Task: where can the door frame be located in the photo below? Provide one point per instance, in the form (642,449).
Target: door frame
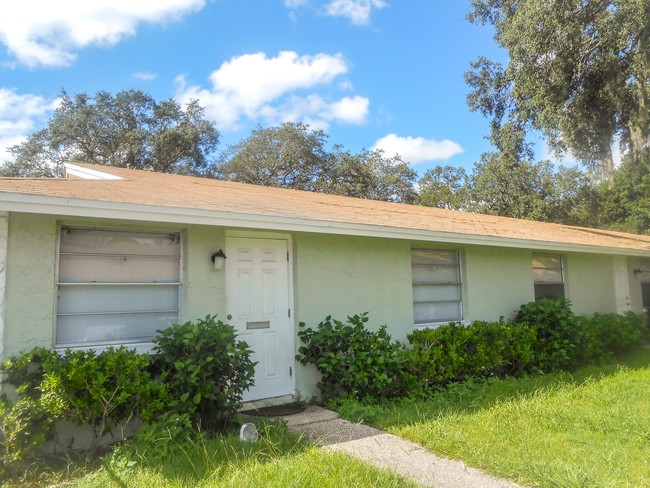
(262,235)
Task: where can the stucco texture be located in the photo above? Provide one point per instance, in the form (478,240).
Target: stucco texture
(497,281)
(341,276)
(590,283)
(204,290)
(31,289)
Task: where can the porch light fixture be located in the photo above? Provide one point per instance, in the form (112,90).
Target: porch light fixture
(219,259)
(637,272)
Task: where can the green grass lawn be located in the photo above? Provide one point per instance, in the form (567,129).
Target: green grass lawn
(587,429)
(278,459)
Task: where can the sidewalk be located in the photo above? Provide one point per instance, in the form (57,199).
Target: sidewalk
(383,450)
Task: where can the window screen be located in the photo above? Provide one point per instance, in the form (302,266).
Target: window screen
(548,276)
(116,287)
(436,286)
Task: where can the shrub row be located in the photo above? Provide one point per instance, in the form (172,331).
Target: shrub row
(456,352)
(196,377)
(544,336)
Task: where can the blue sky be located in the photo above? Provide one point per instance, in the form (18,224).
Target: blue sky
(370,73)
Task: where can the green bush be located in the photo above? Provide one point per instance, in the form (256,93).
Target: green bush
(99,390)
(606,334)
(24,426)
(620,332)
(557,330)
(206,370)
(353,360)
(456,352)
(28,422)
(102,390)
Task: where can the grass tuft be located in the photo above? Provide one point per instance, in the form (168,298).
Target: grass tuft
(279,459)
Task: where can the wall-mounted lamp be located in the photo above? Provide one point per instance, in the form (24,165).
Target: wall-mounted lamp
(219,259)
(637,272)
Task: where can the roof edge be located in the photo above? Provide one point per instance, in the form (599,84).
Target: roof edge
(181,215)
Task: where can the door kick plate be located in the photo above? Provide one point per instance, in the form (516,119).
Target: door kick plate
(258,325)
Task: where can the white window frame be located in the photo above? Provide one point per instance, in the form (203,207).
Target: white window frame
(141,344)
(562,268)
(458,267)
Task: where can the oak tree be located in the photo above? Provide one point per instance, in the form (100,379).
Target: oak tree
(578,71)
(128,130)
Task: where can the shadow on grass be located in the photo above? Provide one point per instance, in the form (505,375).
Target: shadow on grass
(474,395)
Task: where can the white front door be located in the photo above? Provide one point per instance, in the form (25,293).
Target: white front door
(257,300)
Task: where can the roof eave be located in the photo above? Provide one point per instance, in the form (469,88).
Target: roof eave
(73,207)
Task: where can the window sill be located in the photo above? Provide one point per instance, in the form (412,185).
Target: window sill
(435,325)
(140,347)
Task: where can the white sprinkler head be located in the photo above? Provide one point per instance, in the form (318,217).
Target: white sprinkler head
(248,433)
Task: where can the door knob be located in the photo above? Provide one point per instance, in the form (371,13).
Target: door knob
(229,317)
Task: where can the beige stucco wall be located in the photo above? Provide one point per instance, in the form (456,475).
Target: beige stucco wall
(4,233)
(338,275)
(204,287)
(30,295)
(343,275)
(497,281)
(590,283)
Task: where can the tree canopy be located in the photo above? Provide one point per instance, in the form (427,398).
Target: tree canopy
(507,182)
(578,71)
(294,156)
(289,156)
(129,130)
(444,187)
(624,204)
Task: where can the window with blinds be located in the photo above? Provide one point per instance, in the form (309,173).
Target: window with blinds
(548,276)
(437,286)
(116,287)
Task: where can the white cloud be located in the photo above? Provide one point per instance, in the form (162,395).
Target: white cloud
(351,110)
(145,75)
(357,11)
(317,112)
(254,85)
(417,149)
(295,3)
(47,33)
(19,116)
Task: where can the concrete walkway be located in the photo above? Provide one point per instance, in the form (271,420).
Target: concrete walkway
(383,450)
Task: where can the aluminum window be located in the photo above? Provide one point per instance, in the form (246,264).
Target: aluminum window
(116,287)
(437,286)
(548,276)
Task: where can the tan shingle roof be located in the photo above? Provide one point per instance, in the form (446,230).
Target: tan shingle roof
(165,191)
